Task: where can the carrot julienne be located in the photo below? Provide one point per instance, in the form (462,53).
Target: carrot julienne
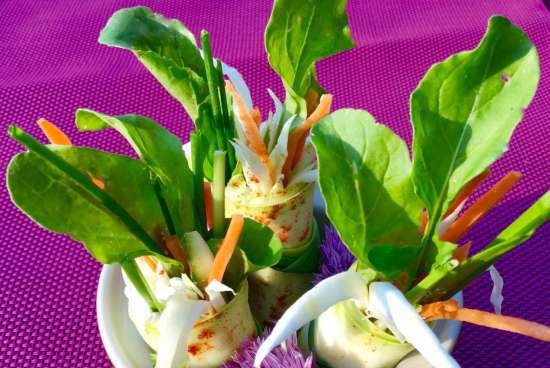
(481,207)
(461,253)
(250,127)
(53,133)
(449,310)
(256,115)
(297,137)
(172,243)
(98,182)
(467,191)
(227,247)
(150,262)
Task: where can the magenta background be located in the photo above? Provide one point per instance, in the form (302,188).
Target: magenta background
(50,64)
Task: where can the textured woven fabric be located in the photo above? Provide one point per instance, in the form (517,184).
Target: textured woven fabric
(50,64)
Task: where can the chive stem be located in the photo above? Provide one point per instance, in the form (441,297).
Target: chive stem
(157,186)
(227,126)
(197,158)
(135,275)
(218,194)
(213,86)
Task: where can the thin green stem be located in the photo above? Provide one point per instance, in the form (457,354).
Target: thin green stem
(157,186)
(227,122)
(218,194)
(133,272)
(85,183)
(198,151)
(213,86)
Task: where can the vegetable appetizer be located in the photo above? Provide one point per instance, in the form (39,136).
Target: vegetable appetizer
(217,239)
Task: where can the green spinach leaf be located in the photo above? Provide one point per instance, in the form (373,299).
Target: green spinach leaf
(166,48)
(298,34)
(116,224)
(464,112)
(365,179)
(162,153)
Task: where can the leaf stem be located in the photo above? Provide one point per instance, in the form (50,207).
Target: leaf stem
(218,194)
(227,126)
(213,85)
(197,157)
(163,206)
(84,181)
(133,272)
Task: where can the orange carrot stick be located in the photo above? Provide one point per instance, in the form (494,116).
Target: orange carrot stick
(312,96)
(467,191)
(297,137)
(256,115)
(226,248)
(98,183)
(461,253)
(449,310)
(53,133)
(253,137)
(150,262)
(208,205)
(481,207)
(172,243)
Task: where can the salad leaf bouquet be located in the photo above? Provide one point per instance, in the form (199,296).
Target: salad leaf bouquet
(403,220)
(217,238)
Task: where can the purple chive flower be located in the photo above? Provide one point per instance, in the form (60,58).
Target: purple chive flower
(287,355)
(335,257)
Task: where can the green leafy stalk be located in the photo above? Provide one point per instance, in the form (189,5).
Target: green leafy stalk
(198,153)
(133,272)
(448,279)
(213,86)
(218,195)
(464,112)
(163,206)
(227,119)
(86,185)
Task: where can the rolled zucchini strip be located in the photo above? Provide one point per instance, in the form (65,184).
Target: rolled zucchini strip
(212,339)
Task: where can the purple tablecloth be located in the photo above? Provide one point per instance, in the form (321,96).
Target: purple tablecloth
(50,64)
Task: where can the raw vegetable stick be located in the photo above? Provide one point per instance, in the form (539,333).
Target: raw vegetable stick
(481,207)
(226,248)
(449,310)
(254,139)
(54,134)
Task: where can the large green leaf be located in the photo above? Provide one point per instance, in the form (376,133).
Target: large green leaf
(299,33)
(59,203)
(465,110)
(365,179)
(446,280)
(163,154)
(166,48)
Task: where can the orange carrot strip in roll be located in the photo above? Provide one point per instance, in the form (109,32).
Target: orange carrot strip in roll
(467,191)
(53,133)
(253,137)
(449,310)
(297,137)
(481,207)
(227,247)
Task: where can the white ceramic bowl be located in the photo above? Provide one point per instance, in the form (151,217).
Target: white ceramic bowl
(126,349)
